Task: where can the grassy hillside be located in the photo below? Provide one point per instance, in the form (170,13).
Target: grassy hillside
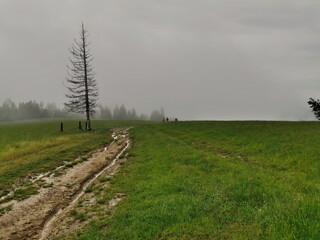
(218,180)
(188,180)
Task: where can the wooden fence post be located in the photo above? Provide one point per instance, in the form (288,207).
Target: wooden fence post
(80,126)
(61,127)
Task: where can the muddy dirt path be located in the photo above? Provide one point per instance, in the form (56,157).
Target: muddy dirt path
(38,216)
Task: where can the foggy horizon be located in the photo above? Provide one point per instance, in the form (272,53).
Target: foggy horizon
(199,60)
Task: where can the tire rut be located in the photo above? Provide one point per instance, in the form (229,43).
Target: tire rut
(36,217)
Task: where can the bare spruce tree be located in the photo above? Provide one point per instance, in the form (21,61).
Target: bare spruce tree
(82,86)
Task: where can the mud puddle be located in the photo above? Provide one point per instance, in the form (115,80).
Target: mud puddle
(41,216)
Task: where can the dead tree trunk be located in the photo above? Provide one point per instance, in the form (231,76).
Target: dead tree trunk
(83,91)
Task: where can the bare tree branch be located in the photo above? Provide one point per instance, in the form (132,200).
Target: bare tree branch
(82,87)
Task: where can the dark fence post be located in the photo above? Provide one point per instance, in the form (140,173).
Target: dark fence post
(61,127)
(80,126)
(86,125)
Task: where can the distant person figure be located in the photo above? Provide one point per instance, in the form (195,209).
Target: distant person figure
(163,119)
(167,119)
(176,119)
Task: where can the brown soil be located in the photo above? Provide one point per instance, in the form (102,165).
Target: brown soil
(42,215)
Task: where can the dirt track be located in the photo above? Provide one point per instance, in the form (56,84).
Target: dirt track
(40,215)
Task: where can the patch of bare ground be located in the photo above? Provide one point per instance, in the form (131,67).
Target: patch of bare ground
(53,211)
(220,152)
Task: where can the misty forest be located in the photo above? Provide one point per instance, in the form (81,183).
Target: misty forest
(90,142)
(9,111)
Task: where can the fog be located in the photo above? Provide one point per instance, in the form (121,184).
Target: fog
(205,59)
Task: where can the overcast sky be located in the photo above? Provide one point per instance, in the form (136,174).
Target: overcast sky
(204,59)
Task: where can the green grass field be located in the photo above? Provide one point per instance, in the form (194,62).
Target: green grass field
(218,180)
(193,180)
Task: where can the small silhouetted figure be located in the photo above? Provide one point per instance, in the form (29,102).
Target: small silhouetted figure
(61,127)
(163,119)
(176,119)
(167,119)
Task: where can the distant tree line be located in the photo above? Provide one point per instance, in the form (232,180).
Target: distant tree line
(122,113)
(9,111)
